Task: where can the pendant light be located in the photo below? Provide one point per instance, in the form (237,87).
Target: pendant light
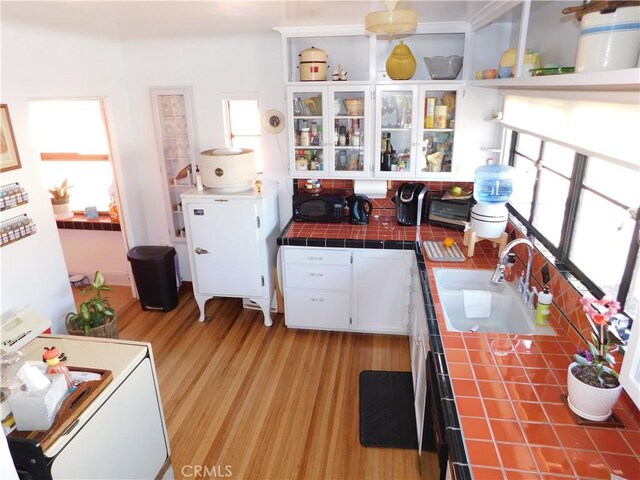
(391,21)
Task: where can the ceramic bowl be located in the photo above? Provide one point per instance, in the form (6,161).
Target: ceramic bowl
(505,72)
(354,106)
(490,73)
(444,68)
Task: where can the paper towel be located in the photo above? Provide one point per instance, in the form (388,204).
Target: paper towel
(370,188)
(477,303)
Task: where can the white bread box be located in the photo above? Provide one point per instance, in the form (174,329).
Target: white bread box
(228,169)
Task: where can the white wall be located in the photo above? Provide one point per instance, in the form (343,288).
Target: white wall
(40,63)
(107,252)
(36,64)
(212,67)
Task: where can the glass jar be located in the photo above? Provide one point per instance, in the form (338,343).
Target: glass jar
(305,139)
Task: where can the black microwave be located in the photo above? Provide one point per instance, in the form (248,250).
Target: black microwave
(322,207)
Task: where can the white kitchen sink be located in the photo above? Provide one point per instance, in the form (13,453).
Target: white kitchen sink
(508,313)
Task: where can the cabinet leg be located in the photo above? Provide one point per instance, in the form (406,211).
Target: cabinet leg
(265,306)
(201,300)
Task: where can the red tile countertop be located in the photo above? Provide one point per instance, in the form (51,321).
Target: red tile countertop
(508,388)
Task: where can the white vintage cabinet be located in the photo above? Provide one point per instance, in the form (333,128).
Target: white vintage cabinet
(231,239)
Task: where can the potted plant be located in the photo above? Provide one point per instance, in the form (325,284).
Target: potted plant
(591,381)
(60,200)
(96,318)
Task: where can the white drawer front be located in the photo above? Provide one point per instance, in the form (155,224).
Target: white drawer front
(317,256)
(313,309)
(321,277)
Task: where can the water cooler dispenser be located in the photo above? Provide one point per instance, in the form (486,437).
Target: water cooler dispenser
(493,186)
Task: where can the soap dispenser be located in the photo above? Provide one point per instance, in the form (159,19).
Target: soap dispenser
(545,297)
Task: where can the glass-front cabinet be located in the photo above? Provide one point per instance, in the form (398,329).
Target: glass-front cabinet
(330,131)
(396,121)
(415,131)
(437,113)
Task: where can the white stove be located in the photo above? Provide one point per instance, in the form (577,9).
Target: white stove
(122,433)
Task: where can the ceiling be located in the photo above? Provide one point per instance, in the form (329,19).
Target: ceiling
(138,20)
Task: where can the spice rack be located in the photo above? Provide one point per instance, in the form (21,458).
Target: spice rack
(16,228)
(12,195)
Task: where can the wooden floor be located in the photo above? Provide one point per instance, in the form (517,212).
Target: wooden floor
(266,403)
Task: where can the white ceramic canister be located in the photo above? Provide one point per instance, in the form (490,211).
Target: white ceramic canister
(609,41)
(313,65)
(489,221)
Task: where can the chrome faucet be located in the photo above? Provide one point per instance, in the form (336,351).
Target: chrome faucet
(498,274)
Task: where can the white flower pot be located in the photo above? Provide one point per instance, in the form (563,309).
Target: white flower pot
(589,402)
(62,210)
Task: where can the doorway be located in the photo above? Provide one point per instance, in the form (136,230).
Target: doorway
(72,136)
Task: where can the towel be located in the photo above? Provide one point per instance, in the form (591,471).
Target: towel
(477,303)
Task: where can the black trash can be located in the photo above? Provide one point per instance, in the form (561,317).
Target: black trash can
(154,270)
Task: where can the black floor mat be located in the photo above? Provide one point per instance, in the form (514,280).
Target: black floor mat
(387,414)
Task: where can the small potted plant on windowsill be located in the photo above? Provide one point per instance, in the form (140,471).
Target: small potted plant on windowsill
(60,200)
(95,317)
(591,380)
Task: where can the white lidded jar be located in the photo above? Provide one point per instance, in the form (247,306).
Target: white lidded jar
(609,41)
(313,65)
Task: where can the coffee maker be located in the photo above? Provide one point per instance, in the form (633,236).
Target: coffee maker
(359,209)
(409,200)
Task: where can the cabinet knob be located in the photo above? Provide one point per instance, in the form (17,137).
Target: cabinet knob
(201,251)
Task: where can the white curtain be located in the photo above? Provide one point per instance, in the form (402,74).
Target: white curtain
(602,124)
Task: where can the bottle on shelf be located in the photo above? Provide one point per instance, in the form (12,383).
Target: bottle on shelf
(386,155)
(342,136)
(199,184)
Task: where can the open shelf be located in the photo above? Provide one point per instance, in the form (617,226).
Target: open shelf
(618,80)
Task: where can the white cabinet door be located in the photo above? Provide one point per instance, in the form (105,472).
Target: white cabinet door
(123,440)
(331,131)
(225,243)
(381,280)
(397,126)
(419,366)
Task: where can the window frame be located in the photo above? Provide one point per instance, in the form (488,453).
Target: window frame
(228,134)
(576,186)
(55,156)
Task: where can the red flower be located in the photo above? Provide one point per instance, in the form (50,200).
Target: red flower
(600,319)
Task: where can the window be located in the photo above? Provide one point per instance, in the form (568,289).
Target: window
(72,139)
(584,209)
(242,122)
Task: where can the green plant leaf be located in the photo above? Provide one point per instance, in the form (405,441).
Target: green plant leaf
(610,371)
(609,358)
(98,280)
(593,350)
(580,360)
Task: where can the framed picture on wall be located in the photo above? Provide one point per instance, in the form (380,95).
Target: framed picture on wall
(9,158)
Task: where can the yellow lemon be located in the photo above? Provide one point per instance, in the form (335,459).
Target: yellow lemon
(448,242)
